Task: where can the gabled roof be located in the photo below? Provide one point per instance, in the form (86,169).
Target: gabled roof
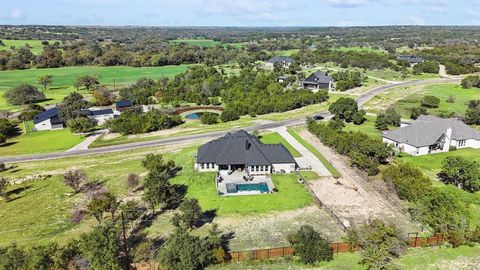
(427,129)
(280,59)
(242,148)
(123,103)
(318,77)
(48,114)
(98,112)
(410,58)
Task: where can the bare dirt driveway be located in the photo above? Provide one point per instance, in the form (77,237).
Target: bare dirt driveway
(351,197)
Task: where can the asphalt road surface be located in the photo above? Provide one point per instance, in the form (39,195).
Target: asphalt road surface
(362,99)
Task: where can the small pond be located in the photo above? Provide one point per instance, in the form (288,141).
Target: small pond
(194,116)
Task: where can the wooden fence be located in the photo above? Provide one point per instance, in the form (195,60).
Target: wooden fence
(264,254)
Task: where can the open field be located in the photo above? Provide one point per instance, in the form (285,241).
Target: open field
(360,49)
(196,42)
(325,162)
(368,127)
(274,137)
(403,102)
(39,142)
(36,45)
(40,209)
(64,78)
(432,258)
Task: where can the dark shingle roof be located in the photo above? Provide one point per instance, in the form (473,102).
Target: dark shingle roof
(123,103)
(48,114)
(280,59)
(242,148)
(318,77)
(98,112)
(426,130)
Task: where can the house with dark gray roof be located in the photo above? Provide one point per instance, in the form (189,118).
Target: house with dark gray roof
(123,105)
(431,134)
(412,59)
(241,151)
(283,61)
(48,120)
(318,80)
(100,116)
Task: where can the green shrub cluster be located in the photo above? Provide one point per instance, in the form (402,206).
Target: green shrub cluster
(366,153)
(136,122)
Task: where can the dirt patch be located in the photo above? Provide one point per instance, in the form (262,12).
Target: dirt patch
(271,230)
(351,198)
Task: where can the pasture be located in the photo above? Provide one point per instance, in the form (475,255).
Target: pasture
(39,210)
(196,42)
(65,77)
(35,45)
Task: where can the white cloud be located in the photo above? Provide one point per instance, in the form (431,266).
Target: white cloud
(348,3)
(13,14)
(248,9)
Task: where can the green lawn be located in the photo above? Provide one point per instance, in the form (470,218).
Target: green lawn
(40,142)
(433,163)
(40,210)
(368,127)
(196,42)
(432,258)
(314,150)
(360,49)
(274,137)
(442,91)
(403,99)
(64,78)
(36,45)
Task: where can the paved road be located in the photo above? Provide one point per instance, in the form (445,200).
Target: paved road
(362,99)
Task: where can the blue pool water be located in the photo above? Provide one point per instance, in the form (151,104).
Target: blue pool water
(235,188)
(194,116)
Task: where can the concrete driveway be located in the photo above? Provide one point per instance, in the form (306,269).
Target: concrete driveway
(308,159)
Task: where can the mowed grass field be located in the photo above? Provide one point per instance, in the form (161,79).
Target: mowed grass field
(404,98)
(65,77)
(442,91)
(274,137)
(196,42)
(39,211)
(39,142)
(35,45)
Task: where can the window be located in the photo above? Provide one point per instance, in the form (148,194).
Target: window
(201,166)
(462,143)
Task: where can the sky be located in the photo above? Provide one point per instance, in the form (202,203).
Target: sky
(240,12)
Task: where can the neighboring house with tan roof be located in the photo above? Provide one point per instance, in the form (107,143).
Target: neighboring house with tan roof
(431,134)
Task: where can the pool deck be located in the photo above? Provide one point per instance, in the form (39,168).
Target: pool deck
(237,178)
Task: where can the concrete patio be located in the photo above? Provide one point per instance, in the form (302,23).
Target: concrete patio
(237,177)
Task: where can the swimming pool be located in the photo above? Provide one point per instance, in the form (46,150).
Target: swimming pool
(236,188)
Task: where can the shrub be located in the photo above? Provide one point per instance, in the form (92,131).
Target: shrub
(430,102)
(209,118)
(81,124)
(461,172)
(136,122)
(310,246)
(344,108)
(415,112)
(471,81)
(409,181)
(229,115)
(359,117)
(23,94)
